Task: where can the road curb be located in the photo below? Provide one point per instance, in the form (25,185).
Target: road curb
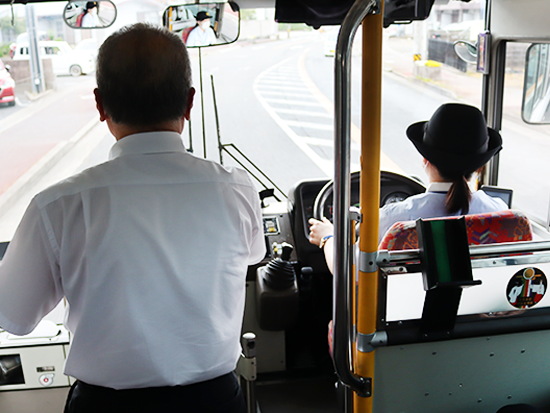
(440,89)
(35,96)
(39,169)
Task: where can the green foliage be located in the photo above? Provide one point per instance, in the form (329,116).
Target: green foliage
(4,49)
(15,30)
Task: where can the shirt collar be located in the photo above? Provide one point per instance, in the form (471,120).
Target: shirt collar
(442,187)
(149,142)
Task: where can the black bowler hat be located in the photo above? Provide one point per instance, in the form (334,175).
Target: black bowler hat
(202,15)
(456,139)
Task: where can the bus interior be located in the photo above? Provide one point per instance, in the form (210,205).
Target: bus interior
(320,126)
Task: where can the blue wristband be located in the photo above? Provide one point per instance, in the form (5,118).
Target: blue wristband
(324,241)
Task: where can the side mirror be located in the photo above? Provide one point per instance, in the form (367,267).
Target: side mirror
(7,67)
(204,24)
(466,51)
(89,14)
(535,107)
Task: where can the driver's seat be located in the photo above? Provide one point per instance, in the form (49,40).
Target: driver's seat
(487,228)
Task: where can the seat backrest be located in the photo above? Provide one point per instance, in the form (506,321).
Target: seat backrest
(487,228)
(185,33)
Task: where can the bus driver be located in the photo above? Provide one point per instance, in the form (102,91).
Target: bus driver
(202,34)
(455,143)
(150,248)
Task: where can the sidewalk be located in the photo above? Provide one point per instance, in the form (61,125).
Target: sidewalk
(465,87)
(398,58)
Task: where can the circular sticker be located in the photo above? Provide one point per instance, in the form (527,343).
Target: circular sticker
(526,288)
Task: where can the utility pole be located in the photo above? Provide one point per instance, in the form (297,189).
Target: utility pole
(37,70)
(421,39)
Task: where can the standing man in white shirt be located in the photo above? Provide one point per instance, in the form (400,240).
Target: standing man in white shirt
(150,248)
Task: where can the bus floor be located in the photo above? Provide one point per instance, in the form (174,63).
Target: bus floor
(299,395)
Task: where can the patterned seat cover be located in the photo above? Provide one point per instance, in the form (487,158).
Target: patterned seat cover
(488,228)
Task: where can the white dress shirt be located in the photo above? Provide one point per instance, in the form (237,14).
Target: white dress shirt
(199,37)
(431,204)
(151,251)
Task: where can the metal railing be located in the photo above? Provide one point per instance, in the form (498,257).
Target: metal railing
(343,282)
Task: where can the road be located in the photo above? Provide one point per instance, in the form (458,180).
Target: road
(274,103)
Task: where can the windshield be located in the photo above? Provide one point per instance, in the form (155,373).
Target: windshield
(267,97)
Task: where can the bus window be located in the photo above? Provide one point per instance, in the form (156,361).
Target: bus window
(536,85)
(522,163)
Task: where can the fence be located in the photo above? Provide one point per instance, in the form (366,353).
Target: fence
(443,51)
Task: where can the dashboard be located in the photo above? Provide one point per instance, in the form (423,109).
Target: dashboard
(393,188)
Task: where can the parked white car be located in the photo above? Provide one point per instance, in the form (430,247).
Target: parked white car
(65,60)
(88,46)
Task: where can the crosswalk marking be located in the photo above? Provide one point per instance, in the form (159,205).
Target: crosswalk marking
(310,125)
(285,83)
(278,93)
(304,113)
(293,102)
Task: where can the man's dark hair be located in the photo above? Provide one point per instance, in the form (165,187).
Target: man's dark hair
(143,75)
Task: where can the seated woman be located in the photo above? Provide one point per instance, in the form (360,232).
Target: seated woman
(455,143)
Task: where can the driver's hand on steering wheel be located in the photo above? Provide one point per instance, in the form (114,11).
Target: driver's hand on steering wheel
(319,230)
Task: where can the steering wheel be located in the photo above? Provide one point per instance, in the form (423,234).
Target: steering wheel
(325,193)
(394,188)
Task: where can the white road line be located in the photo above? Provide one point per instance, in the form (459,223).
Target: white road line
(295,88)
(276,93)
(294,102)
(324,164)
(310,125)
(325,142)
(281,82)
(304,113)
(282,78)
(317,141)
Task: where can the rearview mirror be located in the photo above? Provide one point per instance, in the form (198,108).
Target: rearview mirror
(204,24)
(466,51)
(89,14)
(536,86)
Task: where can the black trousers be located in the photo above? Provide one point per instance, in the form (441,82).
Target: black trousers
(220,395)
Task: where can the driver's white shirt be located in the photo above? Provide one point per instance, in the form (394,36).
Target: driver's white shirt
(431,204)
(198,37)
(151,251)
(90,20)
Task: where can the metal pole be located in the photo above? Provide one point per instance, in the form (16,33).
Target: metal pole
(36,68)
(247,369)
(343,282)
(371,119)
(202,105)
(220,146)
(190,138)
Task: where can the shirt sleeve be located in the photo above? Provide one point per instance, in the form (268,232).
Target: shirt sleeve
(30,282)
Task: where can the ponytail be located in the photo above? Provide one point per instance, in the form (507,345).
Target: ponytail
(459,195)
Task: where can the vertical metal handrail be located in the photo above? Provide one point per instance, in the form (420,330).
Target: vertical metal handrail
(343,282)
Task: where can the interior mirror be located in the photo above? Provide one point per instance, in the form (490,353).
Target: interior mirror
(204,24)
(536,86)
(466,51)
(89,14)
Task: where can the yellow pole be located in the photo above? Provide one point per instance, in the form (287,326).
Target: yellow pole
(370,193)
